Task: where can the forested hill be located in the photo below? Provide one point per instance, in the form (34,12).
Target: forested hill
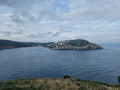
(13,43)
(6,44)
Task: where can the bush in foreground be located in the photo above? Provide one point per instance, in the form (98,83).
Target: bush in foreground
(119,79)
(67,77)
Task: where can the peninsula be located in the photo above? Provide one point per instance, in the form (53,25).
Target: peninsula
(77,44)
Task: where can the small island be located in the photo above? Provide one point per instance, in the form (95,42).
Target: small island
(77,44)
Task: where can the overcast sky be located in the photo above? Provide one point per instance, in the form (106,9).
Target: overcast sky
(54,20)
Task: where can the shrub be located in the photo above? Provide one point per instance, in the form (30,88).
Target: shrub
(119,79)
(67,77)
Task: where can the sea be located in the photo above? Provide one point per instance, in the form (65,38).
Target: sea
(41,62)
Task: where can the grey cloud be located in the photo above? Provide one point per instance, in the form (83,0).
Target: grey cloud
(14,3)
(9,33)
(56,34)
(19,31)
(38,35)
(29,10)
(93,10)
(16,18)
(36,10)
(80,18)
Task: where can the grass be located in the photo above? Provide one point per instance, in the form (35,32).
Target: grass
(56,84)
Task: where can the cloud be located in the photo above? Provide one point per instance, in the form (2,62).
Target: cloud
(36,10)
(39,35)
(27,10)
(93,10)
(9,33)
(54,20)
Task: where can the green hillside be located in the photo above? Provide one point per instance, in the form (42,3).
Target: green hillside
(7,44)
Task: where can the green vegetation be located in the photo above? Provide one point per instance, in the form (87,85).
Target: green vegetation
(55,84)
(67,77)
(6,44)
(78,42)
(119,79)
(13,43)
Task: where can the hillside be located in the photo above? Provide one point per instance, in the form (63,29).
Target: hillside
(7,44)
(55,84)
(13,43)
(77,44)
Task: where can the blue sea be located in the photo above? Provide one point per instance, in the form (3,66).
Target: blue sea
(40,62)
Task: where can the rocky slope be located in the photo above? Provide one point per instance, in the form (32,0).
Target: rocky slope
(77,44)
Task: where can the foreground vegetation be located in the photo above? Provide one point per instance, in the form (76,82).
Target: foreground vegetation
(56,84)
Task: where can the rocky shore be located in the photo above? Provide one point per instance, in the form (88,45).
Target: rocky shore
(7,47)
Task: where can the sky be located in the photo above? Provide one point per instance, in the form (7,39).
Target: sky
(55,20)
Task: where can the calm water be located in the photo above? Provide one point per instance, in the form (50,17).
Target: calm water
(38,62)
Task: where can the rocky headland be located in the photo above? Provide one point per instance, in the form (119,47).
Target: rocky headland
(77,44)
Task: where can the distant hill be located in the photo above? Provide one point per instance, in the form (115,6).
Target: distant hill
(77,44)
(13,43)
(7,44)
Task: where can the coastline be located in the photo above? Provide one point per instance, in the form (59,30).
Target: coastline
(12,47)
(56,84)
(7,47)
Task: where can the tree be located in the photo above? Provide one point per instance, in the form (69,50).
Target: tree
(119,79)
(67,77)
